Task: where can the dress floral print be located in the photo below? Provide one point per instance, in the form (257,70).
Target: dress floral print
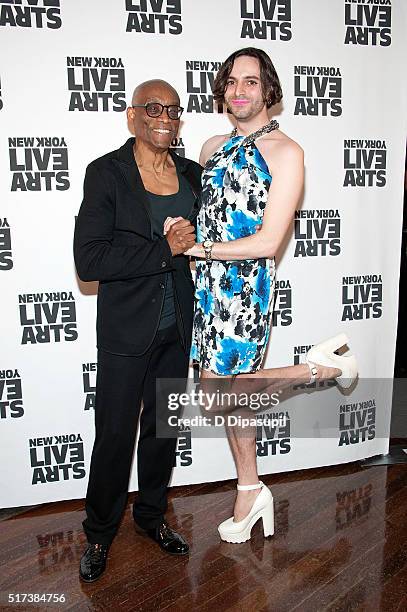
(233,299)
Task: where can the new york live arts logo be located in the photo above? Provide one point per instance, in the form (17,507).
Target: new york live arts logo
(38,163)
(200,75)
(57,457)
(266,19)
(318,91)
(31,13)
(6,261)
(368,22)
(96,84)
(154,16)
(48,317)
(11,394)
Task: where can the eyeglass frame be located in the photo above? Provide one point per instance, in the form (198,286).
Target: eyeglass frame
(166,106)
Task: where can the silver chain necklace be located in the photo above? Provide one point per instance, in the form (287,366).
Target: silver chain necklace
(269,127)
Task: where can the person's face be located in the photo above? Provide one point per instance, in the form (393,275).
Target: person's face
(243,93)
(158,132)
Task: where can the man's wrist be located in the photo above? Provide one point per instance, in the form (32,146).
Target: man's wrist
(167,251)
(196,250)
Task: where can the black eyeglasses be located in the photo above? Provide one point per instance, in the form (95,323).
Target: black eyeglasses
(155,109)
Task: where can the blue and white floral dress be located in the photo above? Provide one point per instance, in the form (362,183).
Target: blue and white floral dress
(233,299)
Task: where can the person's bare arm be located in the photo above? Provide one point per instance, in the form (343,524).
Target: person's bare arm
(287,169)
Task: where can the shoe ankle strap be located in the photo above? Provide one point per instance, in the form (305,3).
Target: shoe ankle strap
(249,487)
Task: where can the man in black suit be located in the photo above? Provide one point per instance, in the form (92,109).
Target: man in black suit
(144,314)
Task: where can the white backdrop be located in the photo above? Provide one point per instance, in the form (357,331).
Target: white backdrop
(67,74)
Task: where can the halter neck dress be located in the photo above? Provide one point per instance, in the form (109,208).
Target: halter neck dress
(233,299)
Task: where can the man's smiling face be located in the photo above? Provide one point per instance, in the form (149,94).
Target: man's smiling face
(244,94)
(158,132)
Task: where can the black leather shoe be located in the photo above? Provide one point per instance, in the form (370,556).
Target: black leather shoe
(167,539)
(93,562)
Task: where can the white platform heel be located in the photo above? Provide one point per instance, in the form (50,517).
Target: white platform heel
(238,532)
(323,354)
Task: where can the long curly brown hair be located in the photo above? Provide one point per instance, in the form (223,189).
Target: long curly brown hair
(270,82)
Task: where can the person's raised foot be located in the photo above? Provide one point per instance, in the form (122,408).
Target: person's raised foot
(323,354)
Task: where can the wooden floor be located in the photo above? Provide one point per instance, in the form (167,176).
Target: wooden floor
(340,545)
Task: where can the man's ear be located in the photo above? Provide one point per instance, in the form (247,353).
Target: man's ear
(130,119)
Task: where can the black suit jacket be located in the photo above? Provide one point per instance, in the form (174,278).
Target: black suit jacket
(114,245)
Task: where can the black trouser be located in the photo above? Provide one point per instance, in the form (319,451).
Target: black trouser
(122,383)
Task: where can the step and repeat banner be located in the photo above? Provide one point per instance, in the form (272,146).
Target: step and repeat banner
(67,76)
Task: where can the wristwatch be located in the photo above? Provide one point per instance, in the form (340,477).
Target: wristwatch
(207,247)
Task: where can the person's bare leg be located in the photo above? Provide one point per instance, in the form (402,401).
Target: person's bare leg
(243,441)
(243,446)
(276,379)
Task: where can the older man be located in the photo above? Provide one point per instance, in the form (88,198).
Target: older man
(144,316)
